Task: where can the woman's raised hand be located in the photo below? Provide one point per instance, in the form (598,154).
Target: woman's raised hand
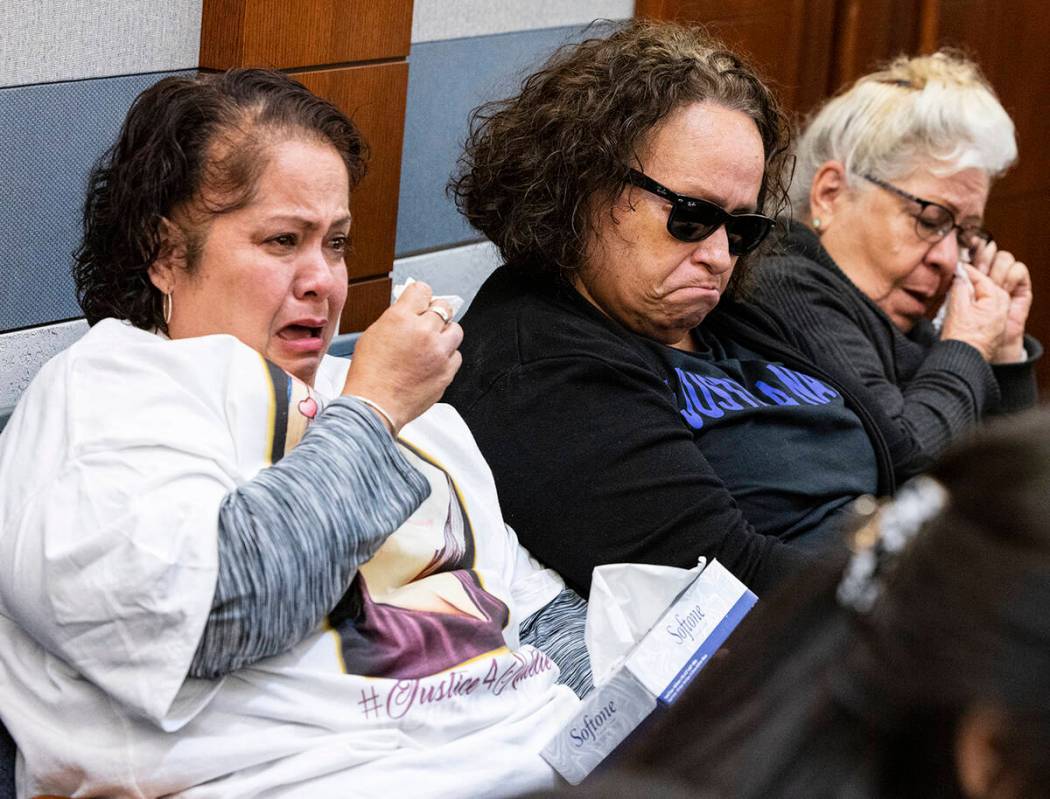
(406,358)
(977,313)
(1013,277)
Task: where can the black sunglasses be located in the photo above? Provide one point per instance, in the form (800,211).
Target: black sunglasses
(933,221)
(693,219)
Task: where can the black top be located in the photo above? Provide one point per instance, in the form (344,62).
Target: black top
(923,392)
(783,443)
(600,452)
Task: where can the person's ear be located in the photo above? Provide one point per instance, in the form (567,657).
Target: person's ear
(978,759)
(827,194)
(171,257)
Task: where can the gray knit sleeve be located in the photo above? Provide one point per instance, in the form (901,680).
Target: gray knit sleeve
(1018,390)
(292,538)
(557,630)
(923,395)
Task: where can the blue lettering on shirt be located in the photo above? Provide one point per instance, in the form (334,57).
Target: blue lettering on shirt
(734,389)
(807,388)
(775,394)
(695,410)
(712,397)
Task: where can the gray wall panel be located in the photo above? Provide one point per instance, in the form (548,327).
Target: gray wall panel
(446,80)
(455,270)
(52,134)
(454,19)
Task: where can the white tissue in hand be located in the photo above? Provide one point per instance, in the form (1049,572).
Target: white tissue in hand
(942,312)
(455,302)
(626,600)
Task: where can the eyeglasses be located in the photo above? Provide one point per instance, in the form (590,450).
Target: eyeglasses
(692,219)
(934,221)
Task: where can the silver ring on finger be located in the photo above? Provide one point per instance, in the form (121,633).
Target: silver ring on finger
(446,317)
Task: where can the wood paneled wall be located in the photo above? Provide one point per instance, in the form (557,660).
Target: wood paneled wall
(353,53)
(811,48)
(1009,40)
(788,39)
(808,48)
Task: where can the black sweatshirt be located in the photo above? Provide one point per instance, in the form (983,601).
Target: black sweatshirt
(597,436)
(924,392)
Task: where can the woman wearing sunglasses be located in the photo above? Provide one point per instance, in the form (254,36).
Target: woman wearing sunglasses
(631,410)
(888,216)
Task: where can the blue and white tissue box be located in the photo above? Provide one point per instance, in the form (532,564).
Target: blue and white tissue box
(655,671)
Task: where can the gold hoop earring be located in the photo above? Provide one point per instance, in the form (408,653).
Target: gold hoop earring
(166,304)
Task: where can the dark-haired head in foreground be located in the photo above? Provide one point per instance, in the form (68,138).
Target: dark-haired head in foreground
(940,689)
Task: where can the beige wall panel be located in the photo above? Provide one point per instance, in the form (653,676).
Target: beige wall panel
(43,41)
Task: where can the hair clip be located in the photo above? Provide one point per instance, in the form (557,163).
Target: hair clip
(917,502)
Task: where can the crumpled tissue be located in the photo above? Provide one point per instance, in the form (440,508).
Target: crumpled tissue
(455,302)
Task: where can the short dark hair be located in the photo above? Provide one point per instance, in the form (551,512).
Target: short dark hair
(534,164)
(183,137)
(814,697)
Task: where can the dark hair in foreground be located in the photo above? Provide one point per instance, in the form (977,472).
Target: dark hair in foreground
(814,700)
(191,146)
(538,169)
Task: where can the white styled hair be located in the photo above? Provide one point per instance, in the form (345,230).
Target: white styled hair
(936,111)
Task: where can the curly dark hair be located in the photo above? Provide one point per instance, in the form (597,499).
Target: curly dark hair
(189,143)
(537,167)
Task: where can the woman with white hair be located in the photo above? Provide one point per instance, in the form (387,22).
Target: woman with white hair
(889,192)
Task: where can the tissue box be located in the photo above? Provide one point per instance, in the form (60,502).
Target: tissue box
(656,670)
